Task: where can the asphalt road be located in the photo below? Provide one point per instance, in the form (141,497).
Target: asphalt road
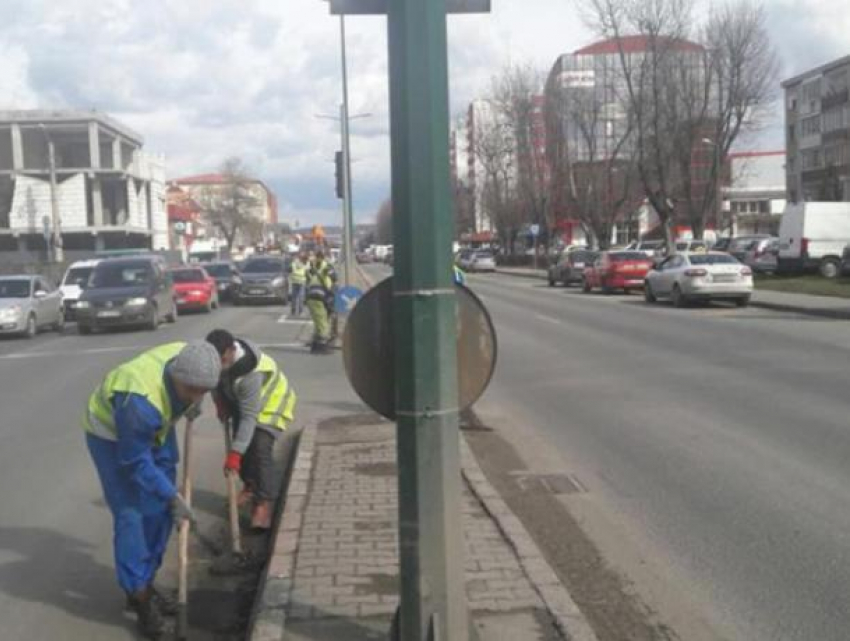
(56,577)
(713,443)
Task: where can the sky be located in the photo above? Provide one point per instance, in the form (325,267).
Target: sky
(203,80)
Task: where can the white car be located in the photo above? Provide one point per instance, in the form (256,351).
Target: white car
(477,261)
(73,283)
(704,276)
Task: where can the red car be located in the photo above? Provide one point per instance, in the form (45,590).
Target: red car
(194,289)
(612,270)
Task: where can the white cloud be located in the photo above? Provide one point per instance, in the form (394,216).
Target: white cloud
(205,79)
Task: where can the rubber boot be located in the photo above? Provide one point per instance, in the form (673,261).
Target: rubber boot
(166,602)
(261,517)
(148,617)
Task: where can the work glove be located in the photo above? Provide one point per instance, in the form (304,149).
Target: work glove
(181,510)
(233,463)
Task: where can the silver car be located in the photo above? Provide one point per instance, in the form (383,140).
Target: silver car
(705,276)
(478,261)
(29,303)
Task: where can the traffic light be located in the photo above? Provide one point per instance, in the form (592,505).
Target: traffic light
(340,176)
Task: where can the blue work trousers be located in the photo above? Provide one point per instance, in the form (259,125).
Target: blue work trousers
(142,521)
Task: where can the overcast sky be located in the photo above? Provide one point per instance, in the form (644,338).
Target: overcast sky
(206,79)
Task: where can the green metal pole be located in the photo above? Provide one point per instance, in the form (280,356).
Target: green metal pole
(430,530)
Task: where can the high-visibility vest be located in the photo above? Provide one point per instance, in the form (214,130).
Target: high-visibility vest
(299,273)
(278,398)
(319,281)
(145,376)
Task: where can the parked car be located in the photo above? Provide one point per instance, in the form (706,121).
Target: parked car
(689,277)
(264,279)
(123,292)
(722,244)
(73,283)
(28,304)
(812,235)
(569,269)
(648,247)
(740,245)
(612,270)
(761,255)
(478,261)
(227,278)
(195,289)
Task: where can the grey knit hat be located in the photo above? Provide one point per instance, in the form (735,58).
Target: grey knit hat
(198,364)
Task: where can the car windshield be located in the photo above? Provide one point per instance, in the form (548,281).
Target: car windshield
(712,259)
(121,275)
(263,266)
(14,288)
(188,276)
(219,271)
(484,255)
(78,276)
(621,257)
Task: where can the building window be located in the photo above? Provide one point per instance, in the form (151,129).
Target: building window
(810,126)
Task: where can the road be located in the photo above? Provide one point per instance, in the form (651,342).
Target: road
(56,577)
(713,443)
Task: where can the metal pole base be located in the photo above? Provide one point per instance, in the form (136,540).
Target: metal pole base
(433,629)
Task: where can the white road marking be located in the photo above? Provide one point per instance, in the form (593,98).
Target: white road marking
(286,320)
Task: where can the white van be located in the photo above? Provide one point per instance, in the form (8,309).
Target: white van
(812,236)
(73,283)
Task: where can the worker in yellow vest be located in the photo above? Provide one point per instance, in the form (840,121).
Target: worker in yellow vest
(129,422)
(298,282)
(255,400)
(320,290)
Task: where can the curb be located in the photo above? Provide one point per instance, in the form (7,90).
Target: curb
(569,620)
(273,597)
(835,314)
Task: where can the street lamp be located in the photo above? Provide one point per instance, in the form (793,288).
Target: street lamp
(56,238)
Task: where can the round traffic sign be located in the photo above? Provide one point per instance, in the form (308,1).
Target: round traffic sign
(369,349)
(346,299)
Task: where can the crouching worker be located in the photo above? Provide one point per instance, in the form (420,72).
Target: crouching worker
(131,435)
(255,398)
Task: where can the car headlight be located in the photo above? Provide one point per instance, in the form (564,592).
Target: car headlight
(10,313)
(278,282)
(137,302)
(83,304)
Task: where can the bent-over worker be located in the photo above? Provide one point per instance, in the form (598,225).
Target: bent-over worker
(256,398)
(130,434)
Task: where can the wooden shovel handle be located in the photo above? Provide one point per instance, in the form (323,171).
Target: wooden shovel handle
(233,508)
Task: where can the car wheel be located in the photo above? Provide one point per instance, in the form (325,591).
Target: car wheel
(84,330)
(32,326)
(743,301)
(627,291)
(648,294)
(829,268)
(678,298)
(153,321)
(585,286)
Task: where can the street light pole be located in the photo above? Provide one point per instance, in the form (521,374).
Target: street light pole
(348,207)
(56,238)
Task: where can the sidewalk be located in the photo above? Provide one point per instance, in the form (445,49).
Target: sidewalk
(333,573)
(823,306)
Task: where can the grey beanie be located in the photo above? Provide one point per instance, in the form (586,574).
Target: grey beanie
(198,364)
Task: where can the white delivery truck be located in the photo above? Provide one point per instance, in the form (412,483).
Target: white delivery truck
(812,236)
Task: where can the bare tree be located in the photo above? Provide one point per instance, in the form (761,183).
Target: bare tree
(592,156)
(691,91)
(231,206)
(384,223)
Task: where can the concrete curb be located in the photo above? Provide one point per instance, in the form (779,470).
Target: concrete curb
(273,596)
(567,616)
(530,274)
(835,314)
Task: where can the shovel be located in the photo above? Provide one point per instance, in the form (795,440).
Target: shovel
(182,628)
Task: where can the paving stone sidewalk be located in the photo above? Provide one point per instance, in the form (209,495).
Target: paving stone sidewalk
(339,558)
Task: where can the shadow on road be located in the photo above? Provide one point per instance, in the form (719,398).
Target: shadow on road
(59,571)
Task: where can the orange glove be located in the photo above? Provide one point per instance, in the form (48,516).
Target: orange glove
(233,462)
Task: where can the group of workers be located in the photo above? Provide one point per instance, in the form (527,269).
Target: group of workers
(130,426)
(313,280)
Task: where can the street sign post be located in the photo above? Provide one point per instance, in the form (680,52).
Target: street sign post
(432,581)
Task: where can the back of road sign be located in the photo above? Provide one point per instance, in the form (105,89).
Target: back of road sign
(368,348)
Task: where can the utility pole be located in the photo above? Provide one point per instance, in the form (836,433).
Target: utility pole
(432,578)
(348,207)
(56,237)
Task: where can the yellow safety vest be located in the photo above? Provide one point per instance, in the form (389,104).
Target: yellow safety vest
(299,273)
(144,375)
(278,398)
